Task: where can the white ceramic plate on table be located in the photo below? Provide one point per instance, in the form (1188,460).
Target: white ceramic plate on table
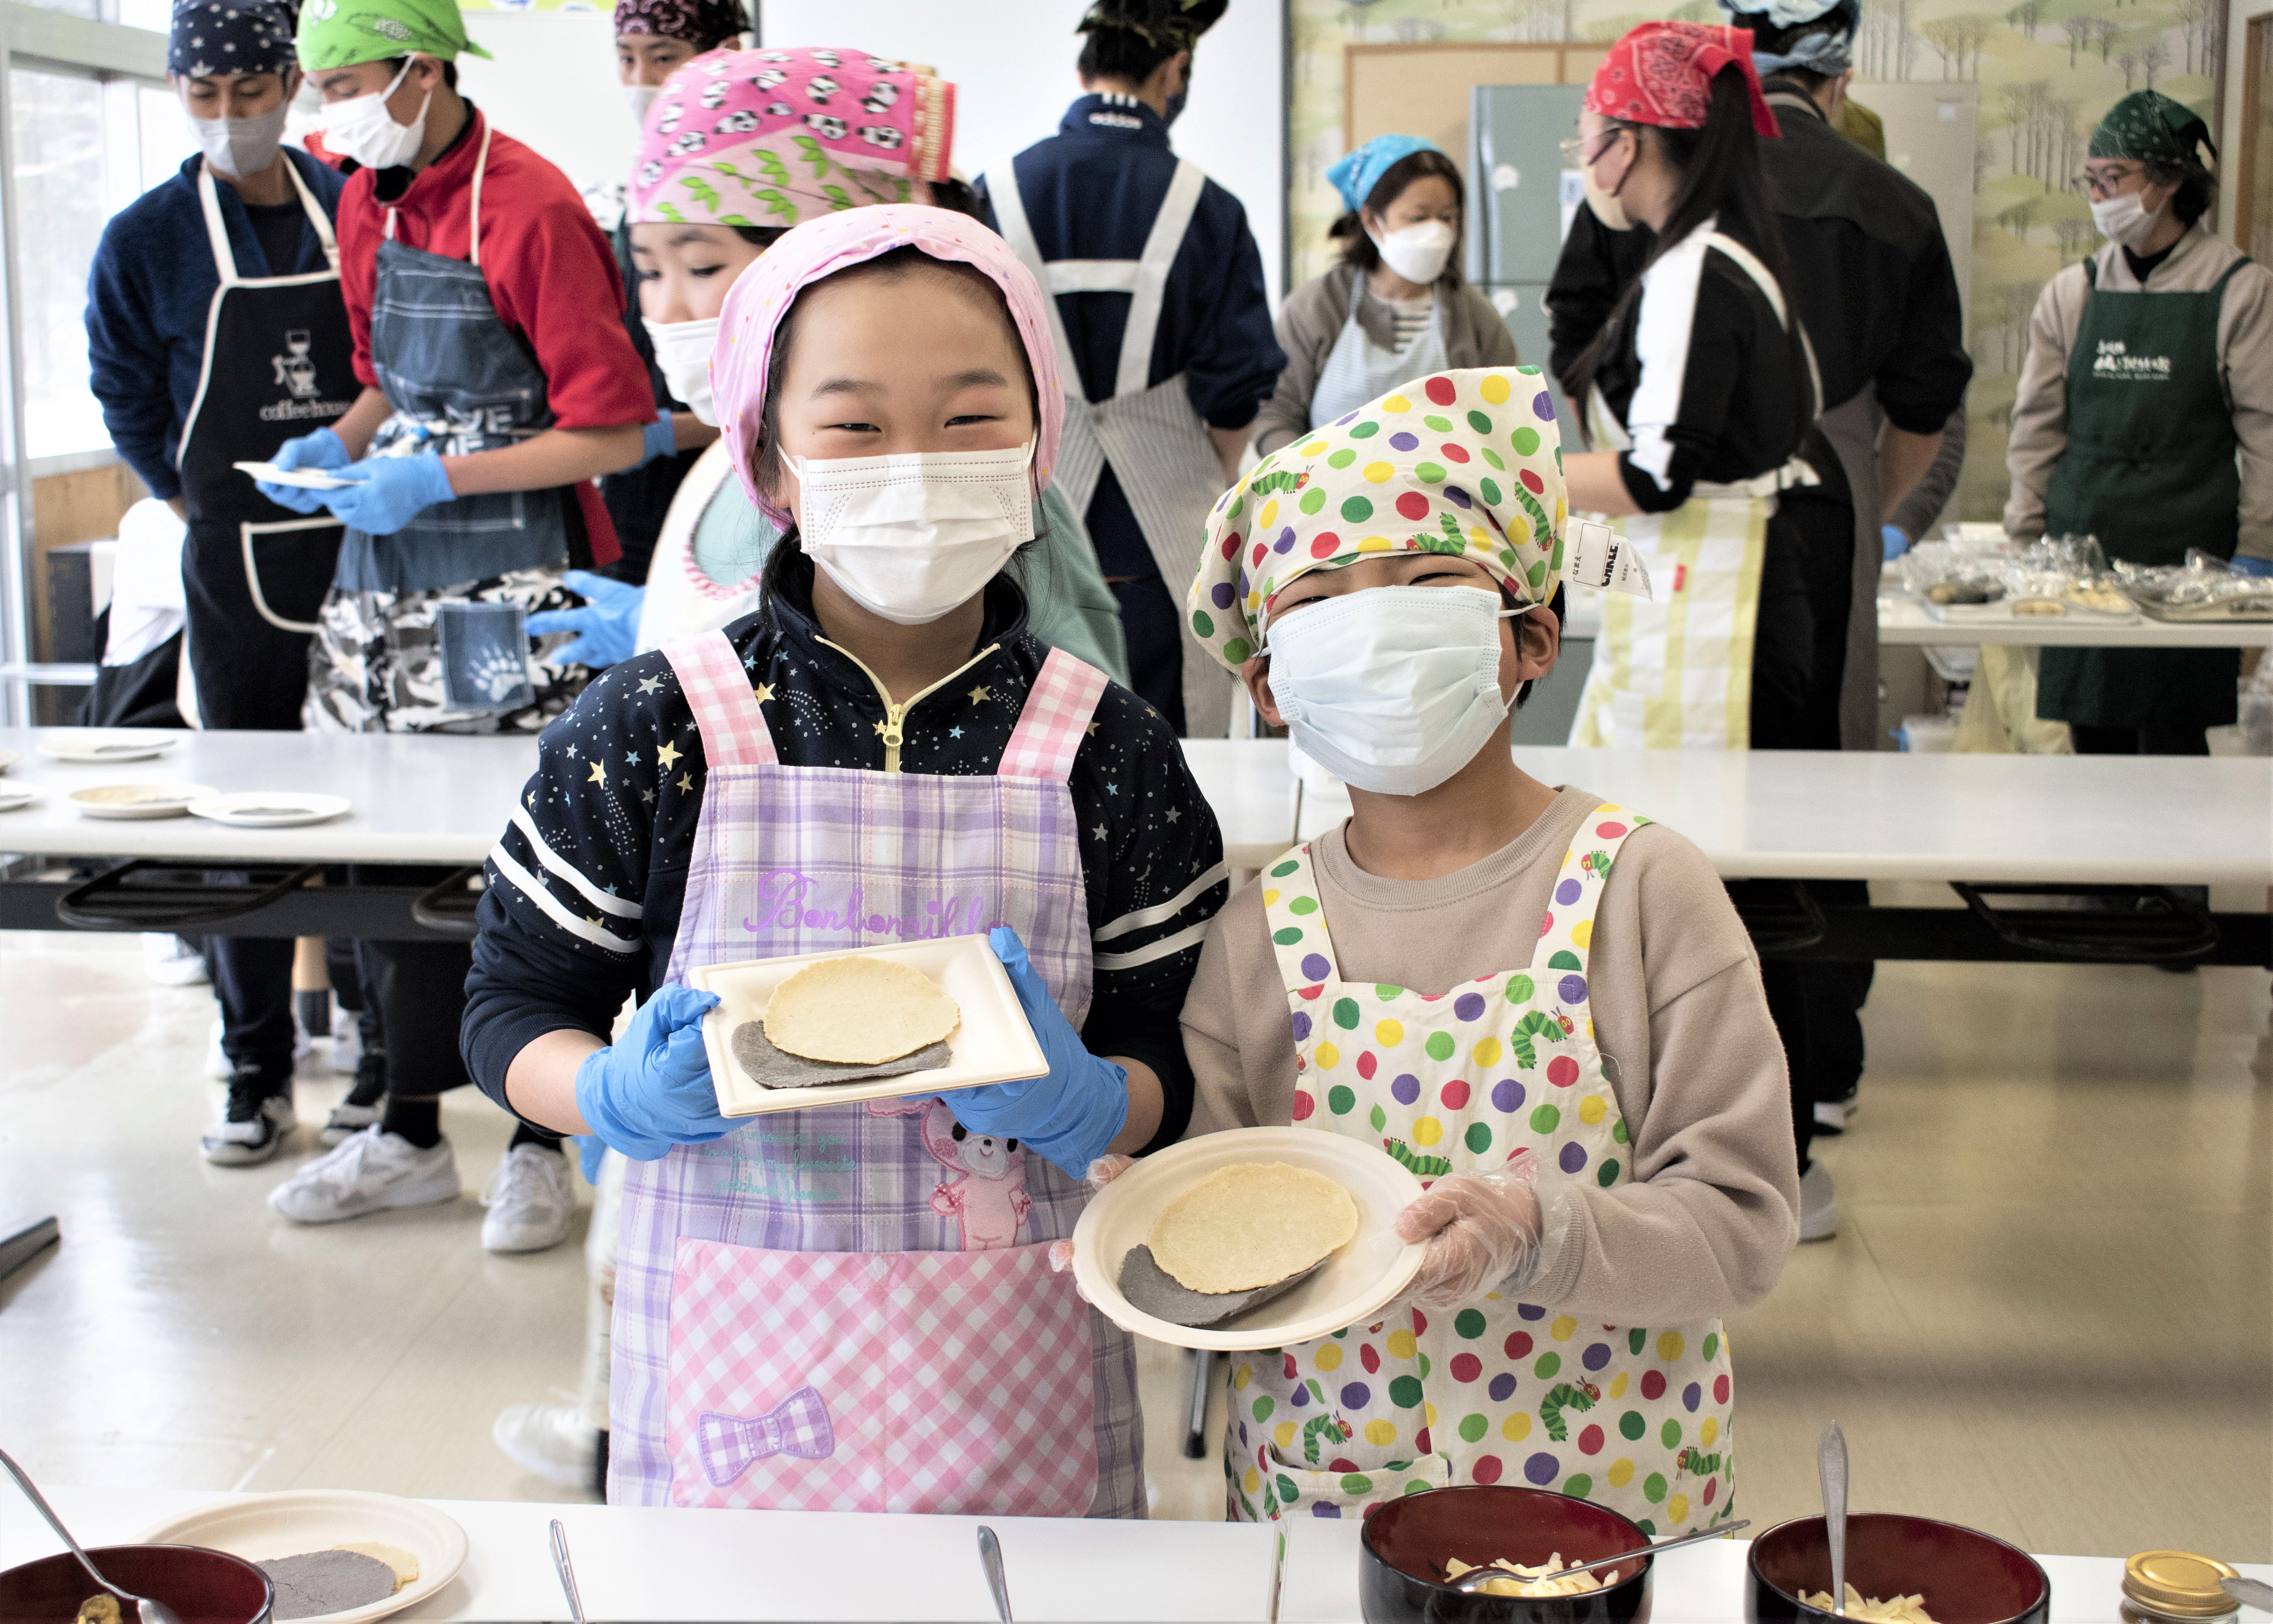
(102,747)
(263,1526)
(9,758)
(304,478)
(994,1043)
(137,800)
(14,797)
(1352,1286)
(256,809)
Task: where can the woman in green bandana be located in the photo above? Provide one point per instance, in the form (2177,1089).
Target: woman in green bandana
(2145,417)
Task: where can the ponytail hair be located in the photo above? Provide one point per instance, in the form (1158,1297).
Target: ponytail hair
(1721,180)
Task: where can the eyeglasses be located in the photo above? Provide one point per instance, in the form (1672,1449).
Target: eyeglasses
(1574,149)
(2107,183)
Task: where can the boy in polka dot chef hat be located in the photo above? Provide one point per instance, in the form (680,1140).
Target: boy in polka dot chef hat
(1542,1004)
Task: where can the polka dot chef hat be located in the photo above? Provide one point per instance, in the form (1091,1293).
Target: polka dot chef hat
(1466,462)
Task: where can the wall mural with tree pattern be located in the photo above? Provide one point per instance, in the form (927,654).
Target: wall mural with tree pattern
(2047,70)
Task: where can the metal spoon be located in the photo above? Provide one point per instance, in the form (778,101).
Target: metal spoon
(561,1565)
(1470,1581)
(1831,1466)
(990,1557)
(2250,1592)
(151,1612)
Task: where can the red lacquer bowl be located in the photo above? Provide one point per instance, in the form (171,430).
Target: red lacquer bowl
(1402,1564)
(1966,1577)
(201,1586)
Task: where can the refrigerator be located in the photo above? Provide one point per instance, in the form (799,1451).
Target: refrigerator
(1521,202)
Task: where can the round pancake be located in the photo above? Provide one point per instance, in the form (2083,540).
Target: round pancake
(858,1011)
(1251,1224)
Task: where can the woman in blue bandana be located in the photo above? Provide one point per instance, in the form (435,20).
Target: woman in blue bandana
(1396,307)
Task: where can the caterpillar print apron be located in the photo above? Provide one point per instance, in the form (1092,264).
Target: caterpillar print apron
(1497,1391)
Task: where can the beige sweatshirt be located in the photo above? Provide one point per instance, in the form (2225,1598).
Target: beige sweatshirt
(1712,1210)
(2245,358)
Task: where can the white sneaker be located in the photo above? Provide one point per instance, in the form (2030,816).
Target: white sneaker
(346,1121)
(1819,1204)
(170,961)
(554,1441)
(248,1131)
(347,1040)
(530,1201)
(371,1170)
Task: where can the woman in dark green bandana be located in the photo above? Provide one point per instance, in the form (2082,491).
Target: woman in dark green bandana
(2145,417)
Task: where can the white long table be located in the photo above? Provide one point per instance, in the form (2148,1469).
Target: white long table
(1903,620)
(639,1565)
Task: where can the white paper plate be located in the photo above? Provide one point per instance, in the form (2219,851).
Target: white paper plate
(100,746)
(305,479)
(14,797)
(262,1526)
(128,801)
(9,758)
(994,1043)
(269,809)
(1351,1287)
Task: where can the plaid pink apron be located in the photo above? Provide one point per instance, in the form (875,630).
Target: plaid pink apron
(849,1308)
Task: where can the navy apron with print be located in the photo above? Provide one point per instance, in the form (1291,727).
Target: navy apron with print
(279,363)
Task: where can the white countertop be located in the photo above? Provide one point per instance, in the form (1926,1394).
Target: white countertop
(1817,815)
(780,1566)
(1883,816)
(1903,620)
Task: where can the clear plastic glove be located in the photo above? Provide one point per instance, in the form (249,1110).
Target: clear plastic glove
(658,439)
(321,449)
(2242,564)
(1896,540)
(652,1090)
(1072,1114)
(1102,1172)
(1480,1228)
(608,623)
(387,493)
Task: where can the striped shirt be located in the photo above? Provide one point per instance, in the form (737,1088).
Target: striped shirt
(587,882)
(1411,318)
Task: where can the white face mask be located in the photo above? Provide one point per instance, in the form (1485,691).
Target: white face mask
(1395,689)
(911,538)
(1417,253)
(2124,219)
(682,349)
(639,98)
(242,147)
(361,128)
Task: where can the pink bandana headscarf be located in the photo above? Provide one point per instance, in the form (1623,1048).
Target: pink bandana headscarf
(776,138)
(1661,74)
(764,292)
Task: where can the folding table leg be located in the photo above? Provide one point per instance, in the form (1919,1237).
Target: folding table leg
(1201,1369)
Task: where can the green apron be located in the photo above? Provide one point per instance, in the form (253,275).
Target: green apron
(2151,469)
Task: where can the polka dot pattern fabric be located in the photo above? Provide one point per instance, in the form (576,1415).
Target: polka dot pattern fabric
(1497,1391)
(1466,462)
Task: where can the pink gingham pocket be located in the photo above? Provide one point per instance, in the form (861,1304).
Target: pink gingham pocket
(916,1382)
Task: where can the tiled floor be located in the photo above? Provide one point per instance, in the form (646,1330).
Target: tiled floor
(2050,1312)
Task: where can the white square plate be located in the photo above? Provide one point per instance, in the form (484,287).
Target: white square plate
(304,478)
(1350,1288)
(994,1044)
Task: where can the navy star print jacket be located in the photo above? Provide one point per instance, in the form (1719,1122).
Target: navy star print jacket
(1150,849)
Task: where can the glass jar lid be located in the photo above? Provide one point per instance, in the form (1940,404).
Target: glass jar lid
(2179,1583)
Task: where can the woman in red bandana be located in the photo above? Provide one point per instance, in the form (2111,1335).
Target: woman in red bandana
(1695,393)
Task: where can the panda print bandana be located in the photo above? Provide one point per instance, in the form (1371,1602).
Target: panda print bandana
(777,138)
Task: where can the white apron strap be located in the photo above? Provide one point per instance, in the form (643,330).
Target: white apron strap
(474,225)
(1010,218)
(1055,721)
(216,228)
(316,218)
(1750,264)
(1167,236)
(725,706)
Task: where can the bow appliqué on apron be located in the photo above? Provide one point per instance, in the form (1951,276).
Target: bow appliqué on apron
(799,1426)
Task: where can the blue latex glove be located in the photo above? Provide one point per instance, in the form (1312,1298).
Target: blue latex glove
(321,449)
(609,622)
(589,1149)
(2241,565)
(387,493)
(1071,1115)
(659,440)
(652,1091)
(1895,540)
